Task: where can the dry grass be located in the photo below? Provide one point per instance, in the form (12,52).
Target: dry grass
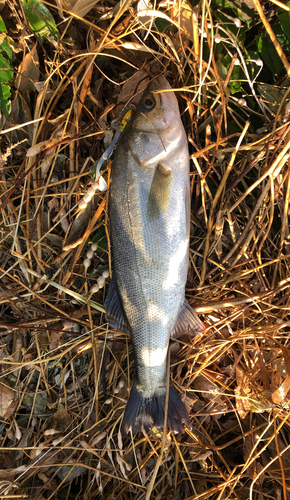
(64,373)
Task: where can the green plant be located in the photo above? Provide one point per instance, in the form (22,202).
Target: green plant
(40,19)
(6,70)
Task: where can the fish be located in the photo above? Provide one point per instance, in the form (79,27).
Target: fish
(149,212)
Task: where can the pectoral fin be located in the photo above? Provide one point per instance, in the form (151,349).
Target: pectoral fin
(159,193)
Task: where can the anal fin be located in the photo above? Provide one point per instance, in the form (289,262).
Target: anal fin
(115,314)
(187,322)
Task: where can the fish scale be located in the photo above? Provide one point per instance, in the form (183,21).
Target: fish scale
(149,218)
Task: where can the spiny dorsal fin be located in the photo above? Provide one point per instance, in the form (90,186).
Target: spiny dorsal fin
(159,193)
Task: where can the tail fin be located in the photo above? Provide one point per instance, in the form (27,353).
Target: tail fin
(142,412)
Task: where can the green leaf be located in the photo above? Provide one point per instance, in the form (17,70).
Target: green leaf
(100,238)
(235,80)
(268,54)
(40,19)
(223,4)
(38,402)
(245,14)
(222,70)
(284,19)
(6,72)
(101,425)
(65,475)
(53,363)
(5,93)
(252,67)
(162,24)
(223,64)
(7,48)
(272,95)
(2,26)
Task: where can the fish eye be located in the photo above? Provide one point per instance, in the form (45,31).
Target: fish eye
(148,104)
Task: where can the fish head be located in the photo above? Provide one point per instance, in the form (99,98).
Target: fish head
(155,131)
(157,111)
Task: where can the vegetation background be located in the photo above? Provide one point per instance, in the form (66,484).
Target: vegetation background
(68,73)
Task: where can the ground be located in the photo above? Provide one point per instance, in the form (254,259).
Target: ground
(68,74)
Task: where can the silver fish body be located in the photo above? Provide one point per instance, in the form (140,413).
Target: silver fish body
(150,218)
